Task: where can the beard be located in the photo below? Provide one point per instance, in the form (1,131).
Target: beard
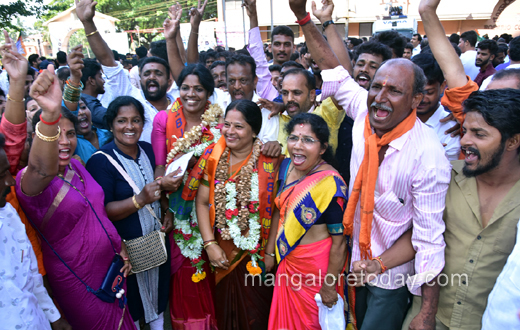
(154,96)
(481,64)
(484,168)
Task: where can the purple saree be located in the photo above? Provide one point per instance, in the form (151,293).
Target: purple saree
(71,227)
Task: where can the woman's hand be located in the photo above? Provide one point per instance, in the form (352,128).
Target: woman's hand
(170,182)
(172,23)
(329,295)
(47,93)
(167,222)
(75,62)
(150,193)
(217,256)
(14,63)
(269,262)
(124,254)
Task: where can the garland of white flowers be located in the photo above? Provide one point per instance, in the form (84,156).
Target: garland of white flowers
(251,241)
(186,142)
(199,148)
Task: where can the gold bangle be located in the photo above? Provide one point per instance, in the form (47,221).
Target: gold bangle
(92,33)
(10,99)
(44,137)
(209,243)
(137,206)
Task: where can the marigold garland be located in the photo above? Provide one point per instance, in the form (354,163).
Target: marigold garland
(208,119)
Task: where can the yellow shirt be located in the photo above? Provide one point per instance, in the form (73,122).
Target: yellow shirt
(329,112)
(478,252)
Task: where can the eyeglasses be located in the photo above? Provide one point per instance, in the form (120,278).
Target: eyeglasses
(306,141)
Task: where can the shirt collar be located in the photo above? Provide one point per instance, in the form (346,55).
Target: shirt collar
(437,115)
(148,102)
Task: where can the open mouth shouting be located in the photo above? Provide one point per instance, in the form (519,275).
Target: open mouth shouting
(152,86)
(83,123)
(363,80)
(380,112)
(64,154)
(471,155)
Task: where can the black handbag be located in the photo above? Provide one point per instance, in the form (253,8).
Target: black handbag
(112,285)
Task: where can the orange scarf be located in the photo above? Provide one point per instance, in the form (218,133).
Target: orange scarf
(365,182)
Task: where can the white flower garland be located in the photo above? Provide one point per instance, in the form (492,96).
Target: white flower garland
(191,248)
(199,148)
(251,241)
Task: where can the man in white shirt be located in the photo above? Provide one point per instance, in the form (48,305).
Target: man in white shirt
(467,43)
(430,110)
(416,43)
(24,301)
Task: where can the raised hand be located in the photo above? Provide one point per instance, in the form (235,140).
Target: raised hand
(47,92)
(172,22)
(197,13)
(325,13)
(14,63)
(298,8)
(250,6)
(75,61)
(425,5)
(85,9)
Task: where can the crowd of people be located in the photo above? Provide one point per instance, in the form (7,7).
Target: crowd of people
(378,179)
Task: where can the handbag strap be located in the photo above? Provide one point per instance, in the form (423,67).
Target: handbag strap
(89,289)
(128,179)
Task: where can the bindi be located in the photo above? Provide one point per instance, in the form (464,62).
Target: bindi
(384,82)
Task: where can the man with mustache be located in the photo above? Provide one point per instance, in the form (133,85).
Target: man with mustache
(154,73)
(400,176)
(482,204)
(486,51)
(430,111)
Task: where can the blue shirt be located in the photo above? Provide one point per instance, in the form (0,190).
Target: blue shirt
(504,300)
(96,109)
(85,149)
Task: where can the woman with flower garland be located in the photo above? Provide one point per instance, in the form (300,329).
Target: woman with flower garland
(308,243)
(189,124)
(238,187)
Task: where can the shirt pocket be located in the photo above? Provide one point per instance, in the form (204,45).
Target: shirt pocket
(389,206)
(506,235)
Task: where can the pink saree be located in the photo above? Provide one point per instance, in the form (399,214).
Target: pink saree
(70,226)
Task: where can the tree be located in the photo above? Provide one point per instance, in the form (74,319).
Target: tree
(146,14)
(17,9)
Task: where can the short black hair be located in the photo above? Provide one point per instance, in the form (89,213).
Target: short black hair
(65,112)
(500,108)
(158,49)
(215,64)
(292,63)
(318,126)
(454,38)
(430,67)
(470,36)
(199,70)
(63,73)
(251,112)
(33,58)
(375,48)
(90,69)
(408,46)
(514,49)
(507,74)
(294,56)
(242,60)
(154,59)
(393,40)
(502,48)
(309,77)
(457,49)
(419,37)
(275,67)
(209,54)
(488,44)
(31,71)
(116,55)
(282,30)
(142,52)
(61,57)
(116,104)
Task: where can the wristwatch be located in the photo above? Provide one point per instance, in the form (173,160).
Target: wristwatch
(327,23)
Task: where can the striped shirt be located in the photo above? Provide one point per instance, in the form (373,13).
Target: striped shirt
(410,189)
